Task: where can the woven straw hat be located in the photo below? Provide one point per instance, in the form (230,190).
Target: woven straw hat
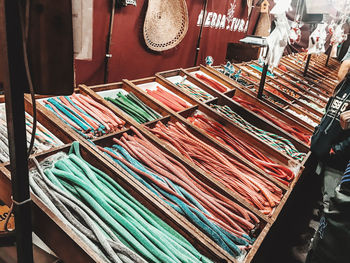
(166,24)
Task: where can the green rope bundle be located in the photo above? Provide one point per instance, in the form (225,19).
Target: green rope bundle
(134,107)
(193,91)
(277,142)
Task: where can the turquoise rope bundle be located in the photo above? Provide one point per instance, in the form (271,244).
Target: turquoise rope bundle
(115,213)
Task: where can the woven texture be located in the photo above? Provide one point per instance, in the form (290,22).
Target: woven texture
(166,24)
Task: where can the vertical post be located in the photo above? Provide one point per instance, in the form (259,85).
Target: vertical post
(109,40)
(14,98)
(328,57)
(307,65)
(198,47)
(262,80)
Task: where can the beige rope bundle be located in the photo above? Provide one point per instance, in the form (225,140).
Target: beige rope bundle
(166,24)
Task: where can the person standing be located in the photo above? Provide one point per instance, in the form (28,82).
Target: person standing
(330,144)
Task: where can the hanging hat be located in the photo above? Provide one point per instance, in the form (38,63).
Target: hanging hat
(166,24)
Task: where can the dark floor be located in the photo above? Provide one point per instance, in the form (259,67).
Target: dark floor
(289,238)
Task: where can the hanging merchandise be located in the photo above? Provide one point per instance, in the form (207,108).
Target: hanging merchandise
(317,40)
(277,41)
(338,36)
(103,215)
(166,24)
(263,25)
(295,33)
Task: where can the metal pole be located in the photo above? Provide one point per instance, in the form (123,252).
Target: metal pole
(198,47)
(109,40)
(307,65)
(14,98)
(328,57)
(262,81)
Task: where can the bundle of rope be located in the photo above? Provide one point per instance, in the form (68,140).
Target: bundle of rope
(104,215)
(222,219)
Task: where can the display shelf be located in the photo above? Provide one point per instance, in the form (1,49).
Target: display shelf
(51,229)
(261,103)
(298,69)
(283,90)
(280,80)
(299,83)
(244,135)
(108,140)
(174,117)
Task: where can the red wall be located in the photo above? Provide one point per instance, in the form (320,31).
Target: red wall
(131,59)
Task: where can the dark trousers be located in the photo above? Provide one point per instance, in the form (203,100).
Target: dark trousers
(331,243)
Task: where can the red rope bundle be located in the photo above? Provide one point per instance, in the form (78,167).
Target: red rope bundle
(293,130)
(168,99)
(251,186)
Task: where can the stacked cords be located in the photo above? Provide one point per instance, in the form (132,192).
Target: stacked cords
(277,93)
(195,92)
(254,188)
(83,114)
(303,117)
(134,107)
(279,143)
(226,222)
(314,106)
(301,108)
(172,101)
(245,150)
(212,83)
(285,90)
(44,140)
(105,216)
(293,130)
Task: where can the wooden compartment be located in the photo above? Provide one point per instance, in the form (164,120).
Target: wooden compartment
(250,116)
(266,221)
(58,125)
(263,103)
(276,85)
(280,80)
(203,107)
(298,68)
(172,116)
(65,243)
(290,105)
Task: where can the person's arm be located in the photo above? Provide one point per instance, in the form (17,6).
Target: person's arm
(344,69)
